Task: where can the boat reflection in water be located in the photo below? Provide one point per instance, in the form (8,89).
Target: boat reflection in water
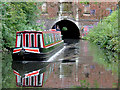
(32,74)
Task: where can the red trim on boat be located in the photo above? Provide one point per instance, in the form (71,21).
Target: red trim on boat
(35,80)
(24,39)
(16,50)
(34,50)
(52,43)
(16,72)
(29,31)
(35,40)
(32,73)
(23,81)
(29,40)
(16,79)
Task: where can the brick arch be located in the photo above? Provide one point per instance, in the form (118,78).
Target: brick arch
(73,29)
(66,18)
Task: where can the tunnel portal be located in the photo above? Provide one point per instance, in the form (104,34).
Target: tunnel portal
(72,31)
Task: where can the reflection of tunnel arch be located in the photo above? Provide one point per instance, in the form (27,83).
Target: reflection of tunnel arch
(72,29)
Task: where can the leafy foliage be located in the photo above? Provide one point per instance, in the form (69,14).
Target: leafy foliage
(64,29)
(105,33)
(106,58)
(83,84)
(0,40)
(18,16)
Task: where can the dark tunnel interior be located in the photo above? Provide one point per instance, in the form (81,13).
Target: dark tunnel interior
(72,31)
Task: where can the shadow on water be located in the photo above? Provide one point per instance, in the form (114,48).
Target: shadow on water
(71,41)
(80,65)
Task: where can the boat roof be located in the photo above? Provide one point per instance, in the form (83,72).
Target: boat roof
(33,31)
(25,31)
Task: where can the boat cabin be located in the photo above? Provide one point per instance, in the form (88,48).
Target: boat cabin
(37,38)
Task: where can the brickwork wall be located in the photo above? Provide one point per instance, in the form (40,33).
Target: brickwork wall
(100,8)
(100,11)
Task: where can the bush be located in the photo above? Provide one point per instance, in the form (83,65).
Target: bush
(18,16)
(64,29)
(105,33)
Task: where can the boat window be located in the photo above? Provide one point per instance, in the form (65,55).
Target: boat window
(53,37)
(19,40)
(32,81)
(50,37)
(59,37)
(38,38)
(27,83)
(46,38)
(32,40)
(27,40)
(56,37)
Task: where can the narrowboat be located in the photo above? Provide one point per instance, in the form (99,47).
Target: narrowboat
(36,45)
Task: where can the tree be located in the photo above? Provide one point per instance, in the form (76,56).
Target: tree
(18,16)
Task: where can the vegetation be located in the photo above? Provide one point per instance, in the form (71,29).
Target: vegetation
(18,16)
(0,70)
(0,40)
(107,59)
(83,84)
(8,77)
(64,29)
(105,33)
(0,35)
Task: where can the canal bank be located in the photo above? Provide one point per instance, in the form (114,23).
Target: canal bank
(0,70)
(93,68)
(81,64)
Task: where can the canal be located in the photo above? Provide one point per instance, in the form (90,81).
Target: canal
(80,65)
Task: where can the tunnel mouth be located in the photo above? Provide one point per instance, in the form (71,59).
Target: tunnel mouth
(72,31)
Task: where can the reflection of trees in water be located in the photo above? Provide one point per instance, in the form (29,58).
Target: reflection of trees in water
(8,77)
(106,58)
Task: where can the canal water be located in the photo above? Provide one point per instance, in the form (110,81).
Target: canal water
(80,65)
